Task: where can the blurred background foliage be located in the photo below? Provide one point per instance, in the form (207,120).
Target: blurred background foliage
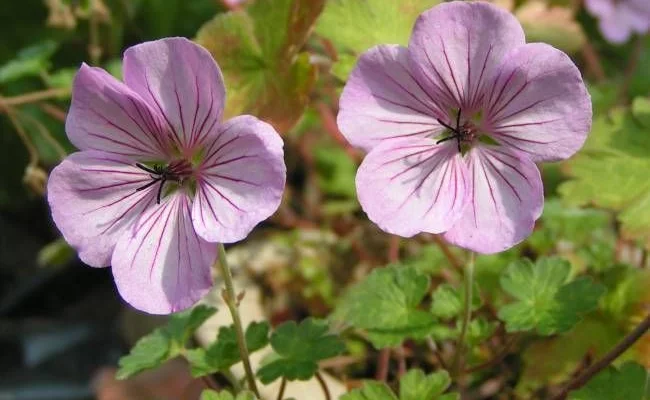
(286,61)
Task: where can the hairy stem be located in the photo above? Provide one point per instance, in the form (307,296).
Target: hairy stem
(283,386)
(607,359)
(231,300)
(457,365)
(323,385)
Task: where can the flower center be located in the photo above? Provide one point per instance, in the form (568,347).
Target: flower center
(464,134)
(177,171)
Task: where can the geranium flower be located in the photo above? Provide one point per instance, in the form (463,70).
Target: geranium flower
(160,177)
(455,123)
(618,19)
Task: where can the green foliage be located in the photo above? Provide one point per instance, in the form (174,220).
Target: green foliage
(546,302)
(225,395)
(414,385)
(31,61)
(259,53)
(355,26)
(611,170)
(224,352)
(628,382)
(164,343)
(447,301)
(299,348)
(386,304)
(336,171)
(371,390)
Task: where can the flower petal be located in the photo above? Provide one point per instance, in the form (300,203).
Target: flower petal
(539,104)
(382,100)
(240,181)
(456,48)
(161,265)
(412,186)
(182,81)
(93,199)
(507,198)
(107,115)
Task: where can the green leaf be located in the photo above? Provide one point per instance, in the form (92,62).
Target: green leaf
(371,390)
(611,171)
(224,352)
(357,25)
(210,394)
(628,382)
(546,302)
(415,385)
(299,349)
(641,110)
(447,301)
(149,352)
(259,53)
(386,304)
(164,343)
(31,61)
(182,325)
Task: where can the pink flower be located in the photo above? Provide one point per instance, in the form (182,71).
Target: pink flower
(160,177)
(455,123)
(620,18)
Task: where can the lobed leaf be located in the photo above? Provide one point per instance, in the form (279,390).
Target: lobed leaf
(546,303)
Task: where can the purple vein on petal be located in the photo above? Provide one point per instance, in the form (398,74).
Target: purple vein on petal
(215,153)
(147,146)
(426,93)
(162,112)
(400,158)
(208,183)
(113,185)
(512,167)
(419,185)
(202,132)
(479,85)
(487,180)
(442,179)
(130,208)
(193,133)
(512,98)
(411,94)
(493,102)
(146,133)
(218,163)
(229,178)
(160,237)
(210,206)
(449,94)
(451,72)
(523,109)
(510,185)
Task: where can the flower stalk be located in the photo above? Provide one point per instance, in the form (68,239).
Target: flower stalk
(231,300)
(457,366)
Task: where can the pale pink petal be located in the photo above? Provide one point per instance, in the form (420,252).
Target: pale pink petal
(600,8)
(508,197)
(539,104)
(382,100)
(182,81)
(93,199)
(615,30)
(106,115)
(160,264)
(412,186)
(240,181)
(456,48)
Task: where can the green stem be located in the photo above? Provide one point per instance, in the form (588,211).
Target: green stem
(457,366)
(231,300)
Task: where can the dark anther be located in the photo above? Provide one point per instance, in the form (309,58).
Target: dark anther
(158,174)
(457,134)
